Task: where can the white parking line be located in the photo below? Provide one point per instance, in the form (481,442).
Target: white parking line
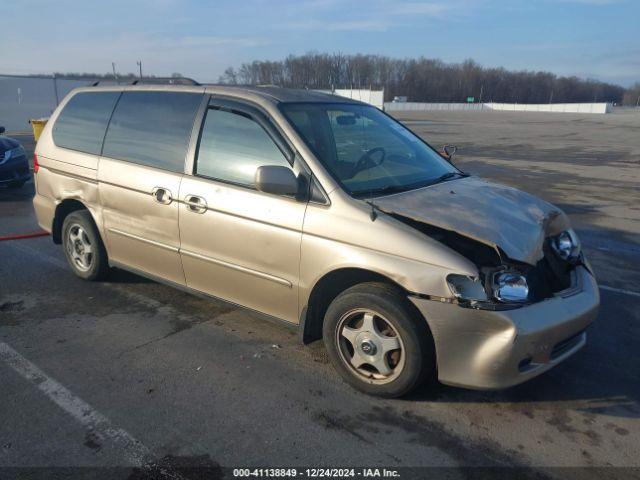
(134,451)
(620,290)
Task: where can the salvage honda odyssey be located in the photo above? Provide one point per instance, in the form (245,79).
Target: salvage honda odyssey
(322,212)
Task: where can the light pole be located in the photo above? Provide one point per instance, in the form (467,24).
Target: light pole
(113,66)
(139,63)
(55,88)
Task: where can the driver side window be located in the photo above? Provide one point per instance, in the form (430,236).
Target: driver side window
(233,146)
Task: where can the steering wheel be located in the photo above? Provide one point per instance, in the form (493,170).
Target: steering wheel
(366,161)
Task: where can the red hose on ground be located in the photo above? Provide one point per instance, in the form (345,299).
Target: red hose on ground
(25,235)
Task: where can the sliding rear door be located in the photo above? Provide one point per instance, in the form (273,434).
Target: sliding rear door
(139,177)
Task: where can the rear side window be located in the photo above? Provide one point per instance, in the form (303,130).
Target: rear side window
(233,146)
(152,128)
(83,121)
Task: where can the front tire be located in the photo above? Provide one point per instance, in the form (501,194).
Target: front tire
(83,246)
(377,342)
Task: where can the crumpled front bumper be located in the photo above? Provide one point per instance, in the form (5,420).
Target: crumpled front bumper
(496,349)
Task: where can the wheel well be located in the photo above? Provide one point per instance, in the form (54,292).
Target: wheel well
(62,210)
(328,288)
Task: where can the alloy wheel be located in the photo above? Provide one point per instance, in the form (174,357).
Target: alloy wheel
(79,247)
(370,346)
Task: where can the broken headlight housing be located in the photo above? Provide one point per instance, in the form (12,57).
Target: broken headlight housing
(510,287)
(467,288)
(566,245)
(507,289)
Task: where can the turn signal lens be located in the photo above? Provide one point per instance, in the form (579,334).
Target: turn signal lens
(36,167)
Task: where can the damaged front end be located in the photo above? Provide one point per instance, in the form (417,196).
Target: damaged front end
(504,283)
(527,305)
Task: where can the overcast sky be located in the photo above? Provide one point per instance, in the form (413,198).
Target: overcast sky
(198,38)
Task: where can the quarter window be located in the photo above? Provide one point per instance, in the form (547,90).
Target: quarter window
(152,128)
(233,146)
(83,121)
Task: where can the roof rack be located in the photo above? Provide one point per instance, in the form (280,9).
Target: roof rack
(165,81)
(104,82)
(152,81)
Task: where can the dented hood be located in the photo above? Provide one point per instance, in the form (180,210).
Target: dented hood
(496,215)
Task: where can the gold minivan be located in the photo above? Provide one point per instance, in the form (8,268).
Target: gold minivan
(324,213)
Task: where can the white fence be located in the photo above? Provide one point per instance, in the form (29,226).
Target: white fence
(372,97)
(416,106)
(553,107)
(510,107)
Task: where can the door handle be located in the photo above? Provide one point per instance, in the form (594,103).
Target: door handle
(162,195)
(195,204)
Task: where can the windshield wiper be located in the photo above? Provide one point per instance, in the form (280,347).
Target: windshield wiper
(448,175)
(386,190)
(389,189)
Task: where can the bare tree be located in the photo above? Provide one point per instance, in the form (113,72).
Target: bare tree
(632,95)
(422,79)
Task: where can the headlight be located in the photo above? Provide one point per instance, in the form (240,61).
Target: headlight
(510,287)
(466,288)
(14,152)
(566,245)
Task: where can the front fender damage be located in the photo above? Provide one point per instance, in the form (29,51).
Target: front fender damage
(547,276)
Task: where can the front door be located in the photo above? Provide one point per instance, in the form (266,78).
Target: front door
(237,243)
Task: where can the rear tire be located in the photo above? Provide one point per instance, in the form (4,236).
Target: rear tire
(377,342)
(83,246)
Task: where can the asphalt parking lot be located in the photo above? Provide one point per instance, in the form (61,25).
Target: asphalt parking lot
(129,372)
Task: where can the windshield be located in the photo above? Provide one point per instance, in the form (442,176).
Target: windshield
(365,150)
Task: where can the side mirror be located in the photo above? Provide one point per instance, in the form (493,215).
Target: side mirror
(448,151)
(1,130)
(277,180)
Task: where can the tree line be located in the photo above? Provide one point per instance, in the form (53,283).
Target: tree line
(632,95)
(422,79)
